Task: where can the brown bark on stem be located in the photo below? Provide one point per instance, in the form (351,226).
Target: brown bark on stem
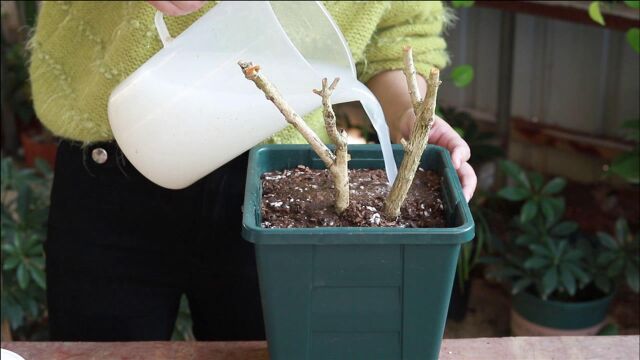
(339,170)
(413,149)
(337,165)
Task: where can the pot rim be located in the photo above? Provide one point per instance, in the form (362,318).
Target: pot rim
(357,235)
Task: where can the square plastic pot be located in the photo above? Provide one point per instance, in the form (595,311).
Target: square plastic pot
(355,293)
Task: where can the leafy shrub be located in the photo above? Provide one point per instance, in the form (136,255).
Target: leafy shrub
(25,208)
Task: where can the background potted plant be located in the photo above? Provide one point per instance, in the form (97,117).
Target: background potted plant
(25,208)
(561,281)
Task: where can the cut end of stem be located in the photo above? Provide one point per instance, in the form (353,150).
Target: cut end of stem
(248,69)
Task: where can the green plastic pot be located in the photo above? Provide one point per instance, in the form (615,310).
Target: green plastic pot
(355,293)
(557,317)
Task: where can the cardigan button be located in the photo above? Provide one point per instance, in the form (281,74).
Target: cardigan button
(99,155)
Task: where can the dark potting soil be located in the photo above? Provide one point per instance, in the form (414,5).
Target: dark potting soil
(304,197)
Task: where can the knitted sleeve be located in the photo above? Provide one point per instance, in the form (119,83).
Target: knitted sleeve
(419,24)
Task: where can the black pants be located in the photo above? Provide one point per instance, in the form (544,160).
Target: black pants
(121,251)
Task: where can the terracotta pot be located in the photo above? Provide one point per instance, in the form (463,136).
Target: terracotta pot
(36,148)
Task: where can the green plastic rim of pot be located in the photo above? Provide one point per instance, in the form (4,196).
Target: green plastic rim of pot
(559,314)
(366,156)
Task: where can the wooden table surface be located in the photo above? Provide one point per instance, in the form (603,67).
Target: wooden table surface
(525,348)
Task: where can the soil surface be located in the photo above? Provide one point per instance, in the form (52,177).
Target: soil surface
(304,197)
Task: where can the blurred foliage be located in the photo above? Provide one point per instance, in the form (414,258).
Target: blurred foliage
(462,3)
(609,329)
(462,75)
(595,14)
(482,150)
(633,38)
(632,35)
(16,82)
(482,143)
(25,208)
(548,255)
(634,4)
(183,329)
(618,259)
(627,165)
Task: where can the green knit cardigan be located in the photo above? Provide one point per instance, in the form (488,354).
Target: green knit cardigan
(81,50)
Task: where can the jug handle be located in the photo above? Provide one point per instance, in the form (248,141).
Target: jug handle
(163,32)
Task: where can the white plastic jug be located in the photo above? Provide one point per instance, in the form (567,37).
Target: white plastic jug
(188,110)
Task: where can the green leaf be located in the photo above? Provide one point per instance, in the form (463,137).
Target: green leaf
(631,124)
(37,261)
(36,250)
(42,166)
(554,186)
(10,262)
(582,276)
(631,273)
(24,200)
(634,126)
(461,3)
(32,305)
(627,167)
(548,210)
(536,263)
(615,268)
(568,281)
(529,211)
(520,285)
(603,283)
(549,282)
(554,214)
(515,172)
(563,245)
(633,38)
(536,180)
(622,229)
(8,248)
(605,258)
(513,193)
(633,4)
(574,254)
(525,239)
(38,276)
(23,276)
(462,75)
(539,250)
(564,228)
(609,330)
(595,14)
(606,240)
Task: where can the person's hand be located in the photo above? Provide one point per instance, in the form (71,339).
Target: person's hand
(176,8)
(444,135)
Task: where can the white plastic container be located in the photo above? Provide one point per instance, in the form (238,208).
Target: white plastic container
(188,110)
